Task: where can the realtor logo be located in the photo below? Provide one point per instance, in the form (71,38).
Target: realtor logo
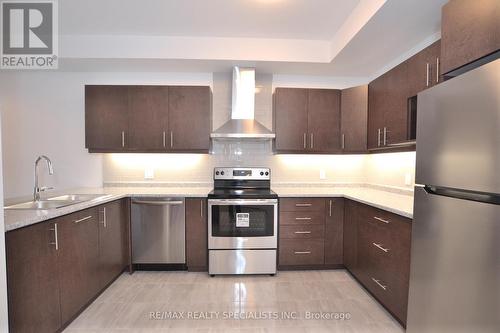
(29,34)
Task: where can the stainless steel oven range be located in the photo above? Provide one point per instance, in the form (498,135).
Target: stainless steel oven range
(242,222)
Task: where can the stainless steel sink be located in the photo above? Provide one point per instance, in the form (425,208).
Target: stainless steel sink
(78,197)
(57,202)
(43,204)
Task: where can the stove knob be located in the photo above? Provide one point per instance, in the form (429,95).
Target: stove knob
(267,173)
(222,173)
(217,173)
(262,173)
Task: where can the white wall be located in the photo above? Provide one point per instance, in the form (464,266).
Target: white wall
(43,113)
(3,277)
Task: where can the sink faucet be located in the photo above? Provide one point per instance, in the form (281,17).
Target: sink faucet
(37,190)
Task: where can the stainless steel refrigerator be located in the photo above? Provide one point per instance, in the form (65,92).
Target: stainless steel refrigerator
(455,257)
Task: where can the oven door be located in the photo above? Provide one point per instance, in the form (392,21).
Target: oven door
(242,223)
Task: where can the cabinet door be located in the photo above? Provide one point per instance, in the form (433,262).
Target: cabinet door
(106,118)
(112,241)
(334,232)
(189,118)
(32,279)
(377,102)
(423,69)
(396,106)
(196,234)
(354,119)
(323,119)
(78,261)
(469,30)
(148,117)
(290,119)
(350,236)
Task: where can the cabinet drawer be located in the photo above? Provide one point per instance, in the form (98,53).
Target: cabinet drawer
(302,218)
(301,252)
(302,205)
(302,231)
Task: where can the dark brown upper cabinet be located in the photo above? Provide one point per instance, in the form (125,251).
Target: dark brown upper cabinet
(423,69)
(189,117)
(354,119)
(470,30)
(307,120)
(148,118)
(106,118)
(388,109)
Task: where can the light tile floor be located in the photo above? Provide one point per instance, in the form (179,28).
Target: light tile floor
(127,305)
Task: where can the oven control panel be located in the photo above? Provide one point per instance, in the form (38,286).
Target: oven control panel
(242,173)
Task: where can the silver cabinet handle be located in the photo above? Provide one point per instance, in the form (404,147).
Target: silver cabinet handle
(381,220)
(302,252)
(303,205)
(427,68)
(305,139)
(385,136)
(171,139)
(83,219)
(201,208)
(343,141)
(104,217)
(123,139)
(302,232)
(330,213)
(437,69)
(312,140)
(164,139)
(380,247)
(379,284)
(378,138)
(303,218)
(56,237)
(157,203)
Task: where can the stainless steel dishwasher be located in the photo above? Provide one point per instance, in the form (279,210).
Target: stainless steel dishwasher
(158,233)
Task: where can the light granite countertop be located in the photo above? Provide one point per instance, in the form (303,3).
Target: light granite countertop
(398,203)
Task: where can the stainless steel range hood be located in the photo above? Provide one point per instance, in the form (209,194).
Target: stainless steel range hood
(242,124)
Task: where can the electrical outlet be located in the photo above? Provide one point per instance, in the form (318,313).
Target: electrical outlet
(322,174)
(149,173)
(408,179)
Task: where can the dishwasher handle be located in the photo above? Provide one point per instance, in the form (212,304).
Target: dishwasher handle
(158,203)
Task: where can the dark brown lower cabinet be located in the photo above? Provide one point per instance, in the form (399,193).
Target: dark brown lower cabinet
(55,268)
(113,236)
(334,231)
(196,234)
(33,279)
(382,242)
(310,234)
(78,261)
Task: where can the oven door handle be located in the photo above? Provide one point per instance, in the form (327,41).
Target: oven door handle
(230,202)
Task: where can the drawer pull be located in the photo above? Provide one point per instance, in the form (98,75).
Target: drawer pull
(83,219)
(303,205)
(381,220)
(302,232)
(379,284)
(303,218)
(380,247)
(56,237)
(302,252)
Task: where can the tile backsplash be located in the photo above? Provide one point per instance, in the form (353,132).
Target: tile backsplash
(383,169)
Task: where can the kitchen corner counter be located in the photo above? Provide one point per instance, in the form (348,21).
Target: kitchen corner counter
(397,203)
(15,219)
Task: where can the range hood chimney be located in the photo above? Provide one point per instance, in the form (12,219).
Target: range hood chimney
(242,124)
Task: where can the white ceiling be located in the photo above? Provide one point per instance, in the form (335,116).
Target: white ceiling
(283,19)
(359,42)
